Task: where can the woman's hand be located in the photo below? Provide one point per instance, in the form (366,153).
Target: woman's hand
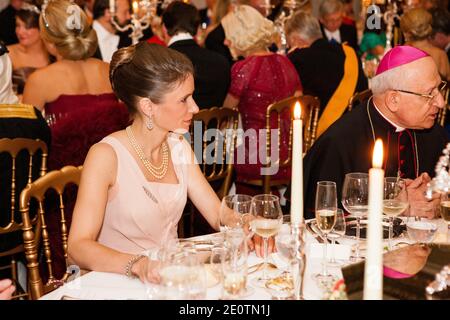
(147,270)
(6,289)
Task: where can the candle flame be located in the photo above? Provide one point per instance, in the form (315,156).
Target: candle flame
(297,111)
(135,6)
(377,159)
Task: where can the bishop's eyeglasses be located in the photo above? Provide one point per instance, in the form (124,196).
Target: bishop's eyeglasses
(440,89)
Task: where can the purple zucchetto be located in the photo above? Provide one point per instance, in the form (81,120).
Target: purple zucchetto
(399,56)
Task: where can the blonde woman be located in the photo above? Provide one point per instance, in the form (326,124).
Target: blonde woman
(262,78)
(416,27)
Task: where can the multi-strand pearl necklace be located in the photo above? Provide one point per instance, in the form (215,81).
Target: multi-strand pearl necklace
(156,171)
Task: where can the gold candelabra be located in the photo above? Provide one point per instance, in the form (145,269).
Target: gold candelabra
(143,13)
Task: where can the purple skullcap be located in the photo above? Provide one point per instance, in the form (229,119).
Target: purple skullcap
(399,56)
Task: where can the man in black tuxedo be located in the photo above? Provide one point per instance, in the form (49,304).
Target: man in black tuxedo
(109,40)
(8,22)
(331,13)
(319,63)
(212,70)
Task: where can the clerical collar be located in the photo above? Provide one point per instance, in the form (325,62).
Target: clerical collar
(397,128)
(180,36)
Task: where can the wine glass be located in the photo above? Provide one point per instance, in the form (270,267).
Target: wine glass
(233,210)
(421,230)
(268,219)
(355,198)
(337,232)
(326,206)
(234,266)
(395,201)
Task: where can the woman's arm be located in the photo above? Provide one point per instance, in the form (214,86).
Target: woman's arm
(99,172)
(230,102)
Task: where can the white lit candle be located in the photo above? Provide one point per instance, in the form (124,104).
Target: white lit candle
(297,168)
(135,9)
(373,272)
(112,6)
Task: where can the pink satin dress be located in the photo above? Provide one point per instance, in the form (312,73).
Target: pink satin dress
(142,215)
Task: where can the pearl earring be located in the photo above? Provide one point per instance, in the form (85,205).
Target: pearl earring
(150,123)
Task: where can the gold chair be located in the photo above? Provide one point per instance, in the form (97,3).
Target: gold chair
(22,153)
(442,114)
(218,167)
(35,233)
(215,158)
(358,98)
(310,115)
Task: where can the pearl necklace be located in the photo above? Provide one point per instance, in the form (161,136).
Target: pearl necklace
(158,172)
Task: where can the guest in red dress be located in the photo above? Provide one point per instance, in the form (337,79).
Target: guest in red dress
(77,98)
(259,80)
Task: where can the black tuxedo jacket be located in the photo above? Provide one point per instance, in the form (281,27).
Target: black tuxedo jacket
(212,73)
(321,68)
(348,34)
(214,41)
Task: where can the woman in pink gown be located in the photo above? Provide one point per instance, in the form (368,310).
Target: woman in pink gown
(259,80)
(135,182)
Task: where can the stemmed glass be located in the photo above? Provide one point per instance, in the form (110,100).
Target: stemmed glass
(337,232)
(326,206)
(395,201)
(268,219)
(233,210)
(355,197)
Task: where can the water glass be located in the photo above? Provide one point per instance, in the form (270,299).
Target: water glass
(355,199)
(233,211)
(183,276)
(234,269)
(421,230)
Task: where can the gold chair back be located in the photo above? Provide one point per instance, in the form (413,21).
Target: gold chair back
(310,115)
(358,98)
(21,169)
(217,162)
(35,234)
(442,114)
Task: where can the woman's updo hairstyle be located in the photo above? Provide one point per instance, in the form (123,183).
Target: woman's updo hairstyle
(416,24)
(147,70)
(65,24)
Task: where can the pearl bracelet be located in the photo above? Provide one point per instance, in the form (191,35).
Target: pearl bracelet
(130,264)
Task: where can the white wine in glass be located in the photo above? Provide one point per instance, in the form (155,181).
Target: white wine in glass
(326,206)
(265,227)
(268,219)
(326,219)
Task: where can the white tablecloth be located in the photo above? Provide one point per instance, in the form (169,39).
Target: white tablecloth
(101,285)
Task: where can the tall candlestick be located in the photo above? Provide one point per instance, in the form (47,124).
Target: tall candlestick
(373,272)
(112,6)
(297,168)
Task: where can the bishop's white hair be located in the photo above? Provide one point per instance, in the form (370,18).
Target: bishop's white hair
(397,78)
